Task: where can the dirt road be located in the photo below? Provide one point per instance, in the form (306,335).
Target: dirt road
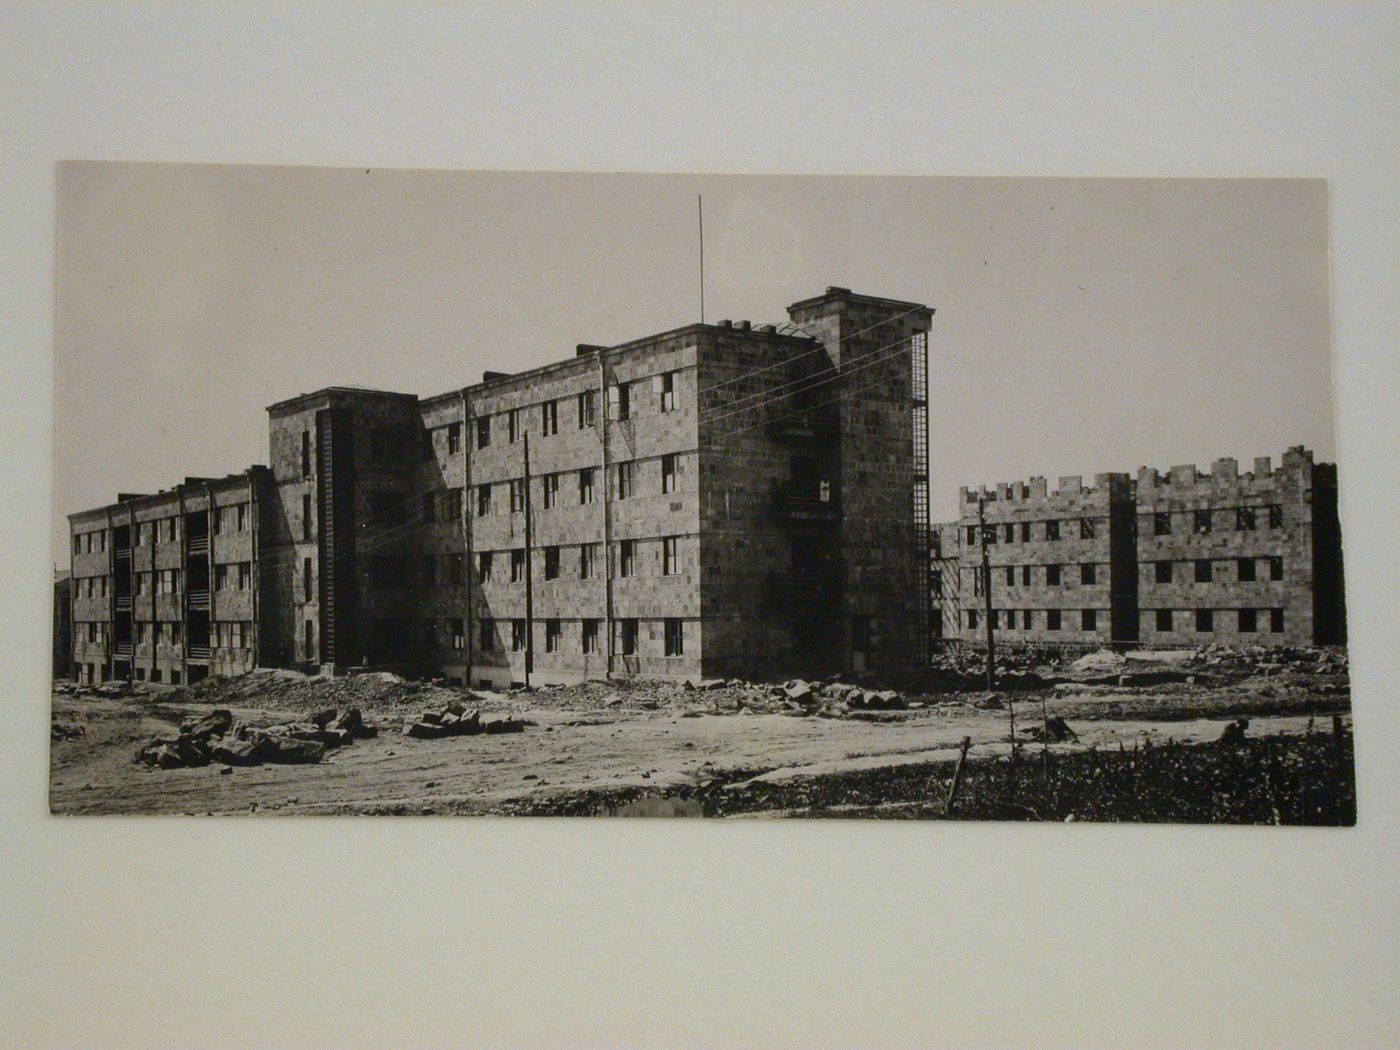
(566,752)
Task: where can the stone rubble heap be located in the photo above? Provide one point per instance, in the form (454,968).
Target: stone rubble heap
(216,737)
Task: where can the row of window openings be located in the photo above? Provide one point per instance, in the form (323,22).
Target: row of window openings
(625,487)
(1246,571)
(233,518)
(1248,621)
(585,416)
(626,636)
(88,674)
(229,634)
(1246,520)
(450,569)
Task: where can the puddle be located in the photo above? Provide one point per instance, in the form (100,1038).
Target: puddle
(660,807)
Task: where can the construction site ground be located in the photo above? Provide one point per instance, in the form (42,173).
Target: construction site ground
(646,748)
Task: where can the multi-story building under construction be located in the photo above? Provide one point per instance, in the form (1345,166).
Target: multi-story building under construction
(1178,558)
(717,500)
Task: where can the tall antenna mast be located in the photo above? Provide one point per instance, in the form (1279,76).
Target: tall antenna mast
(700,203)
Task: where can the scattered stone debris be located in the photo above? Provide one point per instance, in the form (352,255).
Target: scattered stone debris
(454,719)
(58,732)
(216,737)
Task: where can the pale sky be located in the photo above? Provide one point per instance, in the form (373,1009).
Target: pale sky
(1082,325)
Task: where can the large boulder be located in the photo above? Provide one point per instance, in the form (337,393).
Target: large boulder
(323,718)
(232,751)
(799,692)
(215,723)
(425,731)
(297,752)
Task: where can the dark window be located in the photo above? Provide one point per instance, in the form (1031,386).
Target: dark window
(1276,621)
(1086,528)
(1164,619)
(627,637)
(668,473)
(513,425)
(483,500)
(306,579)
(620,401)
(1025,575)
(1162,524)
(1249,622)
(1052,530)
(626,557)
(551,636)
(1276,568)
(1244,519)
(517,566)
(1025,532)
(306,517)
(1205,620)
(1052,619)
(549,418)
(671,556)
(585,485)
(1163,572)
(551,564)
(935,582)
(551,490)
(1009,532)
(675,637)
(457,569)
(993,617)
(972,535)
(1203,570)
(1090,619)
(1088,573)
(1275,516)
(1245,568)
(666,386)
(585,409)
(306,453)
(1011,576)
(483,431)
(518,636)
(590,636)
(456,628)
(454,438)
(624,480)
(1052,575)
(517,495)
(972,619)
(487,631)
(483,566)
(587,561)
(1200,522)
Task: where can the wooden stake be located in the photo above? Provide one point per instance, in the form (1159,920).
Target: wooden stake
(957,774)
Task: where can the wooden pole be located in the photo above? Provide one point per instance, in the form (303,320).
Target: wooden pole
(529,575)
(957,774)
(983,534)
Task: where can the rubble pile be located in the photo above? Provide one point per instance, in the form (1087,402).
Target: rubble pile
(381,693)
(1264,660)
(216,737)
(453,719)
(59,731)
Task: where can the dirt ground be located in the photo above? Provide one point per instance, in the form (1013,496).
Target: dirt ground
(614,744)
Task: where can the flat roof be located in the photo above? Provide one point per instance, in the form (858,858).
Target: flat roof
(348,391)
(834,292)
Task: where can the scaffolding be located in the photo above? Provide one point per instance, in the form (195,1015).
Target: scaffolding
(918,360)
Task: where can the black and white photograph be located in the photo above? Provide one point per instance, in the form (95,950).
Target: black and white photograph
(933,464)
(424,492)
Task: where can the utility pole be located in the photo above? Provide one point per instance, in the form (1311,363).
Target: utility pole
(700,207)
(984,535)
(529,573)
